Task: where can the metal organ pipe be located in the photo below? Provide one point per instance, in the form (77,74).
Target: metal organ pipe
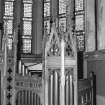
(20,66)
(55,88)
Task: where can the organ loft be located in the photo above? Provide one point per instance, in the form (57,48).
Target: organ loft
(52,52)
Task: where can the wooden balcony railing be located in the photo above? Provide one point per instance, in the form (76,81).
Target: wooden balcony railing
(85,91)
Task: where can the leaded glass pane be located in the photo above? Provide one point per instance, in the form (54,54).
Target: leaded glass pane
(27,1)
(8,18)
(46,9)
(62,6)
(27,10)
(80,42)
(26,45)
(10,43)
(9,8)
(62,24)
(47,26)
(9,26)
(78,5)
(27,27)
(79,22)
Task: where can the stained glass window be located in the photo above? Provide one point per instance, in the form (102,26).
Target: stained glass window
(10,43)
(79,22)
(46,9)
(27,1)
(9,26)
(47,15)
(27,26)
(62,24)
(62,6)
(27,10)
(47,26)
(9,8)
(80,42)
(62,14)
(8,18)
(78,5)
(26,45)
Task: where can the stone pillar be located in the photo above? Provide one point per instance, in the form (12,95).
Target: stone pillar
(37,27)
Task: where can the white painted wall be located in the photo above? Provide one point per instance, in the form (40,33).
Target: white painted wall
(100,100)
